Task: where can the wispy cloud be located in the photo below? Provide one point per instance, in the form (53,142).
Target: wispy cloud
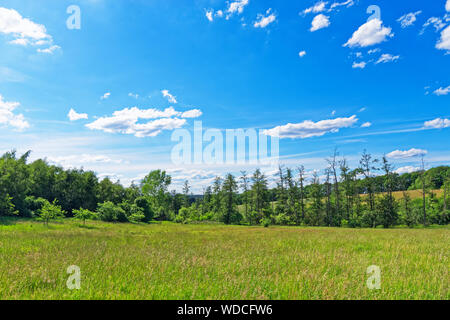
(386,57)
(408,20)
(170,97)
(105,96)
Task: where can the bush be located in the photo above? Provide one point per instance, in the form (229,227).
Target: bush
(344,223)
(84,214)
(109,212)
(34,204)
(282,219)
(145,205)
(265,222)
(50,211)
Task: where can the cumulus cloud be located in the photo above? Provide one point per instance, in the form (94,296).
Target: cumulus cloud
(366,125)
(407,169)
(264,20)
(74,116)
(236,7)
(447,6)
(308,129)
(360,65)
(25,31)
(408,19)
(105,96)
(437,124)
(126,121)
(170,98)
(444,41)
(386,57)
(319,22)
(411,153)
(8,118)
(301,54)
(442,91)
(371,33)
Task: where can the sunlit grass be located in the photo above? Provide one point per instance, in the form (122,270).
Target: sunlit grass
(169,261)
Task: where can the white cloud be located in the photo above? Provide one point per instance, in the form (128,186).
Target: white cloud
(437,123)
(408,19)
(49,50)
(360,65)
(308,129)
(265,20)
(8,118)
(437,23)
(301,54)
(74,160)
(407,169)
(319,22)
(105,96)
(170,98)
(399,154)
(447,6)
(386,57)
(442,91)
(366,125)
(74,116)
(370,33)
(318,7)
(209,15)
(20,42)
(372,51)
(24,30)
(236,7)
(194,113)
(125,121)
(347,3)
(133,95)
(444,41)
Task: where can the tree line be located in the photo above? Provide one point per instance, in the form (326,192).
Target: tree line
(358,197)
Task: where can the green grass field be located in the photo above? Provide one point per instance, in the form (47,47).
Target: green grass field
(169,261)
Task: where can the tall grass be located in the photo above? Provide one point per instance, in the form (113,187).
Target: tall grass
(169,261)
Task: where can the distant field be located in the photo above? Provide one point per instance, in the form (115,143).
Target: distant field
(414,194)
(169,261)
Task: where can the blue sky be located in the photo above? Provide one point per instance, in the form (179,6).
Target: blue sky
(338,76)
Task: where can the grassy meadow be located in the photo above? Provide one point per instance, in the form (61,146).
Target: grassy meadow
(174,261)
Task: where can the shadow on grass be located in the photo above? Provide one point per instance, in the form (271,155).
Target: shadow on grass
(88,227)
(11,221)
